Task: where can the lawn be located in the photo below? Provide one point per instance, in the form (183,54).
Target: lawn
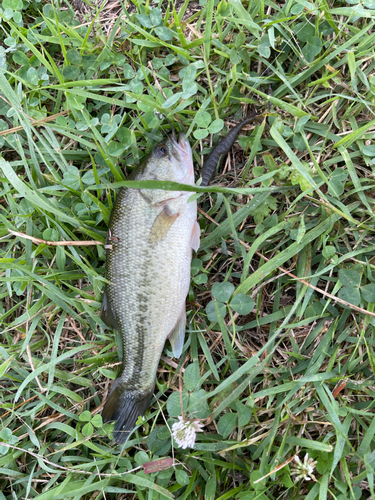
(278,361)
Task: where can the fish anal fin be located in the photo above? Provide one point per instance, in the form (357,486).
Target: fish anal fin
(162,224)
(195,238)
(177,336)
(107,314)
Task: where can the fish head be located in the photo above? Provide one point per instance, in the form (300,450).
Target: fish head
(170,160)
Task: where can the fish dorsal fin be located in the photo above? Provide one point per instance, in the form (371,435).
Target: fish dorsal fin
(177,337)
(107,314)
(162,224)
(195,239)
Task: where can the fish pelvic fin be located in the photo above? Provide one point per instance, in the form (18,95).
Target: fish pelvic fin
(177,336)
(195,238)
(124,406)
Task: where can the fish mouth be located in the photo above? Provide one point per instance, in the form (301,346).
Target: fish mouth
(181,147)
(181,150)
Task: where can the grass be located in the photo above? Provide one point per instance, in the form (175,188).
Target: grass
(279,353)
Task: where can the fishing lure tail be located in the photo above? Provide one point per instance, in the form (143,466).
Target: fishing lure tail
(218,154)
(124,407)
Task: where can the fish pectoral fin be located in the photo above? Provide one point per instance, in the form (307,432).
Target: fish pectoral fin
(107,314)
(177,337)
(195,238)
(161,225)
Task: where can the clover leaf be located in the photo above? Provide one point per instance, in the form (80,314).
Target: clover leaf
(222,292)
(352,290)
(242,304)
(95,421)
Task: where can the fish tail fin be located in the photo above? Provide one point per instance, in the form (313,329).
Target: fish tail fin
(124,407)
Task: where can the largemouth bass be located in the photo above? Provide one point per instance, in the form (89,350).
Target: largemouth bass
(149,246)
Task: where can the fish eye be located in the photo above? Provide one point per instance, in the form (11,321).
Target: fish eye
(160,150)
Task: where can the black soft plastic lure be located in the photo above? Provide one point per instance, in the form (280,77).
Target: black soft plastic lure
(217,155)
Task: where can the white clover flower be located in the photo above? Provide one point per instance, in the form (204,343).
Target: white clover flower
(304,469)
(184,432)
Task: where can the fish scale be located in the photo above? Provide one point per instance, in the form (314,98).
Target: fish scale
(149,248)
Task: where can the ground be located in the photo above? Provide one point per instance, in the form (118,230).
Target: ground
(278,362)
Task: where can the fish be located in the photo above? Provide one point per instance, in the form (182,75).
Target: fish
(149,246)
(217,155)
